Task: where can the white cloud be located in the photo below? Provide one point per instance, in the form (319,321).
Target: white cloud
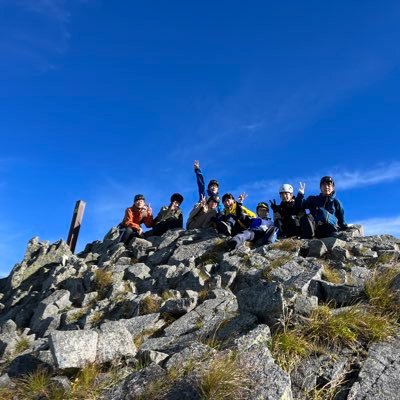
(379,226)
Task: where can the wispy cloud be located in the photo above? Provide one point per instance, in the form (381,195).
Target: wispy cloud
(380,226)
(37,31)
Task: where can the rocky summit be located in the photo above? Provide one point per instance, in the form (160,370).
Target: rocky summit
(182,317)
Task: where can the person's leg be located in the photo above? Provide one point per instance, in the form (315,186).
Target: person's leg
(126,235)
(270,235)
(240,238)
(307,226)
(325,230)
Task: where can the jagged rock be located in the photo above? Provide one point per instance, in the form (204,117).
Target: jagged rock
(137,271)
(139,248)
(150,356)
(47,315)
(62,383)
(339,294)
(37,255)
(6,382)
(317,248)
(295,276)
(114,342)
(26,364)
(137,325)
(379,376)
(184,252)
(73,349)
(269,380)
(264,300)
(178,307)
(304,305)
(205,318)
(194,352)
(8,338)
(332,242)
(230,330)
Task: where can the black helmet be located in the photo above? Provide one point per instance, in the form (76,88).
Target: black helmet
(139,197)
(214,198)
(227,196)
(262,204)
(177,197)
(326,179)
(213,182)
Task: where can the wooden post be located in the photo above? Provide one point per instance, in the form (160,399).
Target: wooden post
(75,224)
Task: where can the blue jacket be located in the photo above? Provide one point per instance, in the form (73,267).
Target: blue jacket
(202,189)
(327,209)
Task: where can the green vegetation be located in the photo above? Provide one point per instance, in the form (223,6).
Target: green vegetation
(76,315)
(380,294)
(288,348)
(346,327)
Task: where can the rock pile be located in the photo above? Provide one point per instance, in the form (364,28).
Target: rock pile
(180,317)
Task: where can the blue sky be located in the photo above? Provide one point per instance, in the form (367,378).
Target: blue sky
(102,100)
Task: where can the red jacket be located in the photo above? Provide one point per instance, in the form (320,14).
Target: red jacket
(135,216)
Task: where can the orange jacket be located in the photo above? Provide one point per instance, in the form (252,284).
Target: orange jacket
(135,216)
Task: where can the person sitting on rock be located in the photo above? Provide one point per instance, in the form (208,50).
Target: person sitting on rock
(326,210)
(261,228)
(204,214)
(169,217)
(138,214)
(235,217)
(212,187)
(289,215)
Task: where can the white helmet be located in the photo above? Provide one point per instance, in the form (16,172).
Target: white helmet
(286,188)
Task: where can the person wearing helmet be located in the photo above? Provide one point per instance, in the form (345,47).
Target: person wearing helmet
(204,214)
(169,217)
(326,210)
(212,187)
(235,217)
(288,214)
(139,213)
(260,228)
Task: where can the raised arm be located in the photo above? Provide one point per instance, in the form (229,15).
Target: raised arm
(200,179)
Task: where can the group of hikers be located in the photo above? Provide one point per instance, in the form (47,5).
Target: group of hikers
(325,216)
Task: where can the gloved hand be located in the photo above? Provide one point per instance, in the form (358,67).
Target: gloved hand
(274,206)
(302,187)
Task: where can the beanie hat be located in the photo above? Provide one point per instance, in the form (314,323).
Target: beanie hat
(213,182)
(326,179)
(177,197)
(139,197)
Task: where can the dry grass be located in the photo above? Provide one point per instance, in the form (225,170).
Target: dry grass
(292,245)
(96,318)
(150,304)
(76,316)
(331,275)
(225,378)
(37,385)
(380,294)
(22,345)
(103,280)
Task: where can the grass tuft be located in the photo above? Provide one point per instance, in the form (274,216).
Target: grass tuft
(224,379)
(380,294)
(149,305)
(346,327)
(331,275)
(22,344)
(34,385)
(289,347)
(103,280)
(292,245)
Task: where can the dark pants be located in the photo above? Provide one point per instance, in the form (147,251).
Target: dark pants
(127,234)
(164,226)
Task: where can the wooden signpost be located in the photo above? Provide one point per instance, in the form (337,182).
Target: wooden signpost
(75,224)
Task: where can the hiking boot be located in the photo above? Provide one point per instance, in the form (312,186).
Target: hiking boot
(231,244)
(225,228)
